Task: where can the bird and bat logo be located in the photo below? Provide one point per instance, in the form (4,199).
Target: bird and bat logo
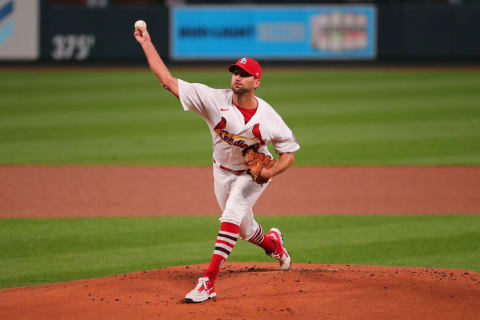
(237,140)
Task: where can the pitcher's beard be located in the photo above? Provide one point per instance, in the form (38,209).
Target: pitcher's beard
(239,90)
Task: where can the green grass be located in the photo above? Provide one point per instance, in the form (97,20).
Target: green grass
(340,117)
(51,250)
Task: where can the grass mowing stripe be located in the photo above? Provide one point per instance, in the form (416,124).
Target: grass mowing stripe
(89,116)
(410,152)
(51,250)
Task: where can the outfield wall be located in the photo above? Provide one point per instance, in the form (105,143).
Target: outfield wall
(386,33)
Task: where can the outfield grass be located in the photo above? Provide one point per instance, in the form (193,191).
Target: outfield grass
(340,117)
(50,250)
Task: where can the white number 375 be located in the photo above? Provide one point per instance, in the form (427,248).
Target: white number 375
(72,46)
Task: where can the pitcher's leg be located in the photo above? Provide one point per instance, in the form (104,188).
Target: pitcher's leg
(229,230)
(250,229)
(226,240)
(244,193)
(224,244)
(248,191)
(272,243)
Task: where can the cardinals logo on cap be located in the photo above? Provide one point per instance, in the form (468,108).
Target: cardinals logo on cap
(249,65)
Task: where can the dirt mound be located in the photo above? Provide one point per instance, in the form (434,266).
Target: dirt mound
(257,291)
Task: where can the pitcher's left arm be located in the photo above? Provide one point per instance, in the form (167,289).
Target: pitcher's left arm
(284,161)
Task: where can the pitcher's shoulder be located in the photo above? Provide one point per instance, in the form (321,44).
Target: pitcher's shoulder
(268,109)
(223,94)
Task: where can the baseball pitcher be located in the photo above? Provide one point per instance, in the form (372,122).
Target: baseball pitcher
(241,125)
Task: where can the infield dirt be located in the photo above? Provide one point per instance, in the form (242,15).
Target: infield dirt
(90,191)
(253,290)
(257,291)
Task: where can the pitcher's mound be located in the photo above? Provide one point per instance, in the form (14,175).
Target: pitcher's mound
(257,291)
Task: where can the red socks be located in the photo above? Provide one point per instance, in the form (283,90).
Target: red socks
(226,240)
(267,244)
(263,241)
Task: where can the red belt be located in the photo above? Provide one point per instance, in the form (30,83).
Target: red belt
(236,172)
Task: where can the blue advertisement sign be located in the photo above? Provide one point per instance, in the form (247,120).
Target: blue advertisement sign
(273,32)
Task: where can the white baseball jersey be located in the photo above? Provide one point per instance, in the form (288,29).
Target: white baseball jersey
(230,134)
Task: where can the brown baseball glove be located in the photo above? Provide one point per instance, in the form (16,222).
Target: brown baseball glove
(255,162)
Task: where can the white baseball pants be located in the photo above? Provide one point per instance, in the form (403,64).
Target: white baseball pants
(236,196)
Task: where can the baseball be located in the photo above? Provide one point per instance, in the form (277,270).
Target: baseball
(140,24)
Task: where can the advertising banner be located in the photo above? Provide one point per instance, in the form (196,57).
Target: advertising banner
(273,32)
(19,29)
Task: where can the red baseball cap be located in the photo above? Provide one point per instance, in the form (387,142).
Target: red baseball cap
(249,65)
